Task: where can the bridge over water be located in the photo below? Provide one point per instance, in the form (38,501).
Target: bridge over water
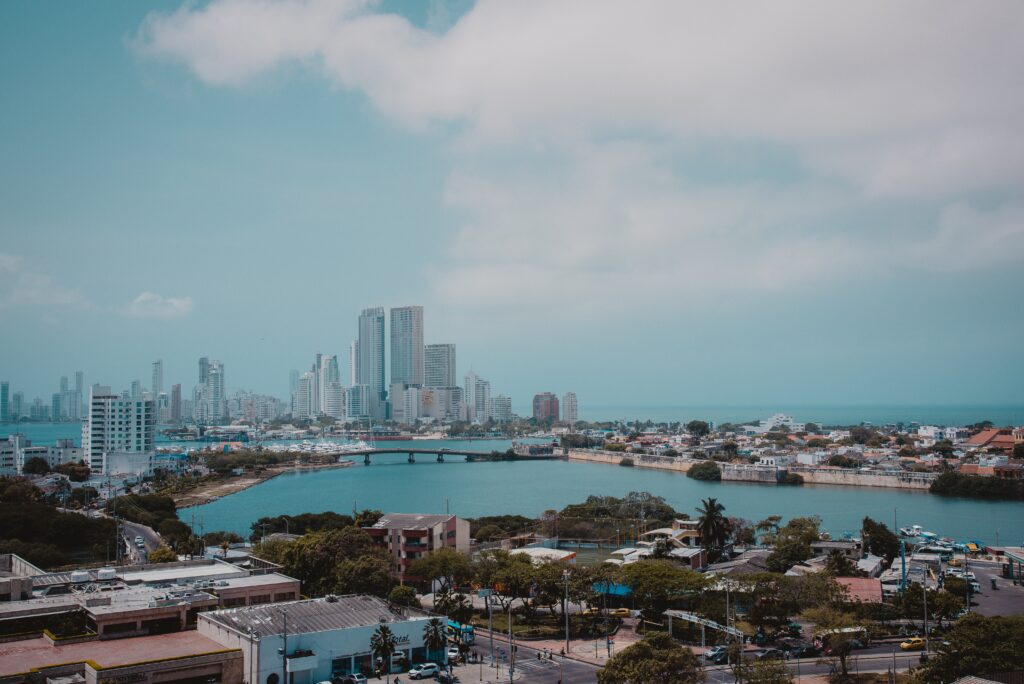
(438,454)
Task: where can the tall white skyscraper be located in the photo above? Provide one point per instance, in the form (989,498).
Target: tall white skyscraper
(439,365)
(136,389)
(334,400)
(304,396)
(370,366)
(158,377)
(476,395)
(407,345)
(500,409)
(353,362)
(216,408)
(329,374)
(569,408)
(118,435)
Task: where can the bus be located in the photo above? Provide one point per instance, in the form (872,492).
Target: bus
(460,634)
(857,635)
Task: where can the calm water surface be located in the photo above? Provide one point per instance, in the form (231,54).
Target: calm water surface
(475,489)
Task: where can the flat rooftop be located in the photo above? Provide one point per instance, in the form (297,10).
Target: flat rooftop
(314,615)
(186,573)
(21,656)
(410,521)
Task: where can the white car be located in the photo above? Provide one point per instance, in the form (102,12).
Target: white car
(453,653)
(424,670)
(140,542)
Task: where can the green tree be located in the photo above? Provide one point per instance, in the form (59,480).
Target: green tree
(383,644)
(879,539)
(838,564)
(657,585)
(403,595)
(769,527)
(655,659)
(713,527)
(707,471)
(36,466)
(699,429)
(446,566)
(980,646)
(162,555)
(767,671)
(793,543)
(435,636)
(338,562)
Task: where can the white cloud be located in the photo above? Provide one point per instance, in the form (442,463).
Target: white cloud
(152,305)
(21,288)
(917,102)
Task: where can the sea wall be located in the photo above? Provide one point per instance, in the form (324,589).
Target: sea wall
(741,472)
(746,472)
(680,465)
(858,478)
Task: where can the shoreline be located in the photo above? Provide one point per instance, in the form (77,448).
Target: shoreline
(202,496)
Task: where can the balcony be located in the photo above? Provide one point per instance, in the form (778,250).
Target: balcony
(302,661)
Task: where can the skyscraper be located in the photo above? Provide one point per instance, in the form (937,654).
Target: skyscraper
(176,403)
(304,396)
(370,366)
(118,434)
(477,395)
(204,370)
(353,362)
(569,409)
(158,377)
(439,365)
(218,406)
(136,389)
(329,375)
(545,406)
(5,406)
(407,345)
(500,409)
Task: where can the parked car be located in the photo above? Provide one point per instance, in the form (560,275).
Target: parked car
(805,651)
(591,611)
(355,678)
(445,678)
(768,654)
(453,653)
(424,670)
(912,644)
(620,613)
(714,652)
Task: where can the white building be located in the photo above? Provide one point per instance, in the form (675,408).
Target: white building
(15,451)
(370,359)
(118,433)
(158,377)
(305,397)
(570,411)
(358,402)
(439,360)
(500,409)
(334,401)
(319,639)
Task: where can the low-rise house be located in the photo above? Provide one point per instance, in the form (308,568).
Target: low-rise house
(850,548)
(861,589)
(750,562)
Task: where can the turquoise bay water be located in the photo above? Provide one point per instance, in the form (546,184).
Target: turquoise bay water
(475,489)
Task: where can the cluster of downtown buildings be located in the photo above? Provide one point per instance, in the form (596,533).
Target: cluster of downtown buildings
(421,385)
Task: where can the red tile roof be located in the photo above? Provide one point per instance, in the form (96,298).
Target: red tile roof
(863,589)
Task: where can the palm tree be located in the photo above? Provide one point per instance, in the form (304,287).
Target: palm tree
(770,526)
(434,636)
(713,526)
(383,644)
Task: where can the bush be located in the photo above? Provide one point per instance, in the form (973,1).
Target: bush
(627,462)
(792,479)
(707,471)
(976,486)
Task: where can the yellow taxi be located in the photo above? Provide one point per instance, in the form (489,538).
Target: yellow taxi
(912,644)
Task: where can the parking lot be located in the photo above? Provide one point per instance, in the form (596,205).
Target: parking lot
(1006,600)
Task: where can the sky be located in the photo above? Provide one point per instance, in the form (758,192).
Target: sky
(648,203)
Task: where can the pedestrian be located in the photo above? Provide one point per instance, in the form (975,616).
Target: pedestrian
(563,652)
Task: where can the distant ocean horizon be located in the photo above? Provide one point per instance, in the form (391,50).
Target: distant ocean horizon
(821,414)
(946,415)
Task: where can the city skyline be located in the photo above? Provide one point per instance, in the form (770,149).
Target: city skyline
(730,237)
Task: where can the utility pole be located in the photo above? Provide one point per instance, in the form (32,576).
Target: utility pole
(284,649)
(924,593)
(565,577)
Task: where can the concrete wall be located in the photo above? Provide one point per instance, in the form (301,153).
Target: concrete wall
(224,667)
(737,472)
(745,472)
(857,478)
(680,465)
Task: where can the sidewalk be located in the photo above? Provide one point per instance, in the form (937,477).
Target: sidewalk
(592,651)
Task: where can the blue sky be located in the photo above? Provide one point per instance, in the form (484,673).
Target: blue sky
(654,204)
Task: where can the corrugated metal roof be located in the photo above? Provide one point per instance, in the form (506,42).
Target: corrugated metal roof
(410,521)
(314,615)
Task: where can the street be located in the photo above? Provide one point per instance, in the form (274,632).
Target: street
(528,666)
(863,662)
(149,537)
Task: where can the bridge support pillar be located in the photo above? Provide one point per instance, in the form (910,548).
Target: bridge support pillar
(440,458)
(412,457)
(366,459)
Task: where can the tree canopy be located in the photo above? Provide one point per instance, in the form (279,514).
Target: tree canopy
(655,659)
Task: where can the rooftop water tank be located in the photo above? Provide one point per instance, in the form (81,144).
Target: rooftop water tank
(80,577)
(106,574)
